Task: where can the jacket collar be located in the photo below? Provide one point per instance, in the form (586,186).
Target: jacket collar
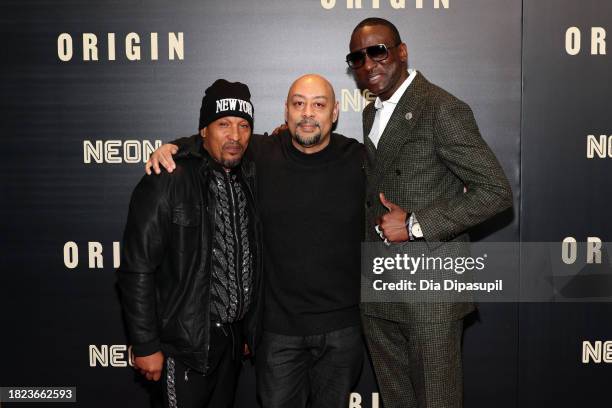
(397,131)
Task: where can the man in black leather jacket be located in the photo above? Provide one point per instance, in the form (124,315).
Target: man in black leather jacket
(191,261)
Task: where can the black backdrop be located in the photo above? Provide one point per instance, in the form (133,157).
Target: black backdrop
(75,132)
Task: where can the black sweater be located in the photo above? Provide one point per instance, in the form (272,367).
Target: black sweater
(312,213)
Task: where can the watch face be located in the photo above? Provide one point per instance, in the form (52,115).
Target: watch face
(416,230)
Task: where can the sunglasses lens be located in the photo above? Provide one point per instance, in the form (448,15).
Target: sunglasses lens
(355,59)
(377,52)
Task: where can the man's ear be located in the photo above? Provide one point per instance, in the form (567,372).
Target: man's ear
(203,132)
(403,52)
(336,112)
(286,111)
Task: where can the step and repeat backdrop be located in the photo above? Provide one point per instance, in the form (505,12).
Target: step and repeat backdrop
(564,350)
(90,88)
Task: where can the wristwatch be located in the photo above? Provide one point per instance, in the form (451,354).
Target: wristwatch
(414,228)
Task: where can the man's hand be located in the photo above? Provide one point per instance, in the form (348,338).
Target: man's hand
(393,224)
(163,156)
(279,129)
(150,366)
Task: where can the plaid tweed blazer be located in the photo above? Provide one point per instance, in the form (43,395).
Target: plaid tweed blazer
(430,149)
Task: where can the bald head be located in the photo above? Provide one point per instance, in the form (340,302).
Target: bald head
(313,81)
(310,112)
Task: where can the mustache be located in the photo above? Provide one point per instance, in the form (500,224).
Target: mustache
(309,122)
(232,145)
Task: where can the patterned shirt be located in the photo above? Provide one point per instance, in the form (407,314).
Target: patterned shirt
(232,259)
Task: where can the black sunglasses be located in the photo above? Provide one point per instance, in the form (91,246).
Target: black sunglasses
(378,52)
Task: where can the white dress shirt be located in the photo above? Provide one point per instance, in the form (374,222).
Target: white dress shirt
(384,109)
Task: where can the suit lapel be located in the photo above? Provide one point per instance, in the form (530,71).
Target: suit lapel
(368,120)
(397,132)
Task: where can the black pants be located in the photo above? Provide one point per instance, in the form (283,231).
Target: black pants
(185,388)
(317,371)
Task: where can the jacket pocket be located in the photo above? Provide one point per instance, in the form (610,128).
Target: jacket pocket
(175,333)
(185,238)
(186,215)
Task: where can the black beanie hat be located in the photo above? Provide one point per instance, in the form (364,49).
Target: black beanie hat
(225,98)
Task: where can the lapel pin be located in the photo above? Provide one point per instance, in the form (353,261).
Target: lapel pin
(409,116)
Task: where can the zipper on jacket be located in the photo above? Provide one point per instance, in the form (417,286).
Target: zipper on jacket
(256,290)
(211,208)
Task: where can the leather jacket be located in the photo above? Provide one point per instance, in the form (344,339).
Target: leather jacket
(165,273)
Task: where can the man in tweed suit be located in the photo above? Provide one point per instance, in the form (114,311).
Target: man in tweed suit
(430,178)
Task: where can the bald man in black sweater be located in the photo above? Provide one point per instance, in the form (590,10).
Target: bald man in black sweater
(311,191)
